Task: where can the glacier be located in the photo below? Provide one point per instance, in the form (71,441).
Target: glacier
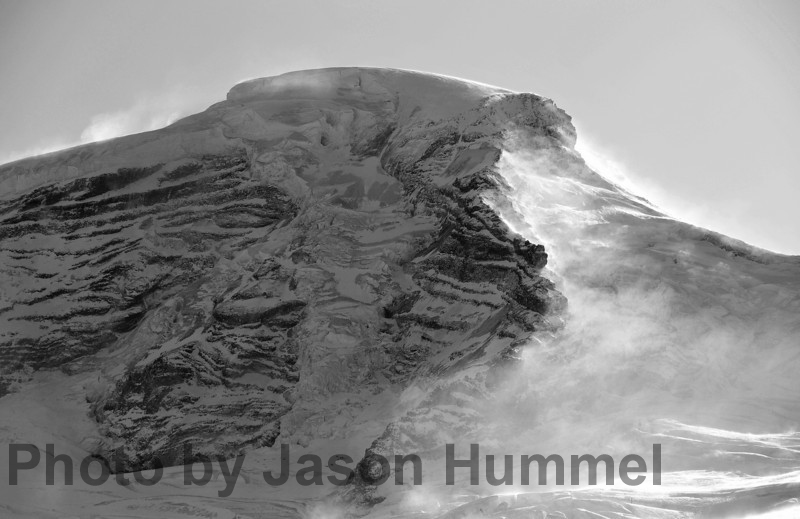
(377,262)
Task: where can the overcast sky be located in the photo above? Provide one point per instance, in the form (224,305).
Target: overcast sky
(696,102)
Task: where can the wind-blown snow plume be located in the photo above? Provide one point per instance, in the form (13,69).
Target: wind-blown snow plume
(665,321)
(145,114)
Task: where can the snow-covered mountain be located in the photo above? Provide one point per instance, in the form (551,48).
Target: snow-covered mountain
(353,261)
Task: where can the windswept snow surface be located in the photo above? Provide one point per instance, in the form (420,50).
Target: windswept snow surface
(673,335)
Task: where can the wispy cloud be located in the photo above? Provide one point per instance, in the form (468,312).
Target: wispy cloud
(729,216)
(147,113)
(139,118)
(614,170)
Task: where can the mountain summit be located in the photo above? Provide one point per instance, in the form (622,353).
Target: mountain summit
(380,261)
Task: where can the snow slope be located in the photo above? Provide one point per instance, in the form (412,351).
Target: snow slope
(344,260)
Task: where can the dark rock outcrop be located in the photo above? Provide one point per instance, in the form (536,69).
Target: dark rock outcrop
(316,234)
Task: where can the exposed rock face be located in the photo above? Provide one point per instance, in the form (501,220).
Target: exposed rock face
(232,276)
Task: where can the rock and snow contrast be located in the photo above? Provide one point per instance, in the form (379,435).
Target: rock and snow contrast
(352,261)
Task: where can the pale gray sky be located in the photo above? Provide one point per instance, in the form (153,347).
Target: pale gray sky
(696,101)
